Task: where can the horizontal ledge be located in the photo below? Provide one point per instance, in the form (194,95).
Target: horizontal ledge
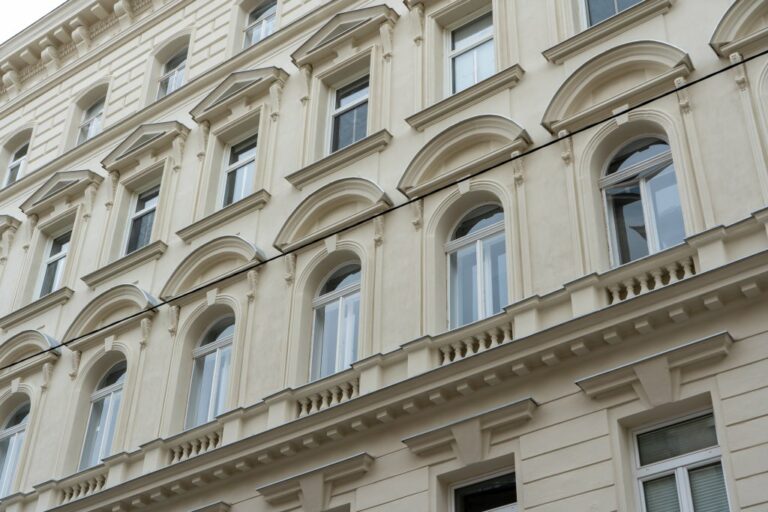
(255,201)
(128,262)
(60,296)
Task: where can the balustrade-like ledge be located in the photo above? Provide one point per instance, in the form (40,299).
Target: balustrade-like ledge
(506,79)
(536,334)
(60,296)
(126,263)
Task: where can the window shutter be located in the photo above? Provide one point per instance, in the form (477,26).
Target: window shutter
(708,489)
(661,495)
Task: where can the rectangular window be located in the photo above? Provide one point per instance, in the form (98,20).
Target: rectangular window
(261,23)
(350,114)
(241,168)
(497,494)
(471,53)
(173,74)
(601,10)
(679,467)
(54,263)
(143,219)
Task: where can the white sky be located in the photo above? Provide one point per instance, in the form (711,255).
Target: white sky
(22,14)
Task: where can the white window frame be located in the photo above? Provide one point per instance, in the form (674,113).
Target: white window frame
(22,161)
(452,54)
(639,173)
(338,112)
(228,168)
(96,396)
(216,383)
(584,8)
(48,259)
(89,122)
(472,481)
(341,295)
(136,214)
(172,73)
(678,466)
(475,239)
(261,20)
(16,436)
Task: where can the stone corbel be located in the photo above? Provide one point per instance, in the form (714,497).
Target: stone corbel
(385,31)
(275,97)
(178,150)
(47,374)
(378,230)
(306,74)
(6,240)
(11,79)
(114,179)
(49,54)
(740,71)
(124,13)
(290,267)
(146,328)
(31,224)
(80,35)
(253,283)
(418,214)
(89,200)
(566,143)
(173,320)
(683,98)
(417,24)
(518,172)
(76,355)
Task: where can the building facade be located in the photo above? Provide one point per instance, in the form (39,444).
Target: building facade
(382,256)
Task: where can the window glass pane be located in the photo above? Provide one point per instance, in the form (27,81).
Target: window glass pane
(490,495)
(661,495)
(243,151)
(478,219)
(626,4)
(350,126)
(494,253)
(263,11)
(111,423)
(225,356)
(352,93)
(600,10)
(221,330)
(232,186)
(176,61)
(345,276)
(350,324)
(629,222)
(200,394)
(116,375)
(141,232)
(326,336)
(463,71)
(678,439)
(13,173)
(10,447)
(18,417)
(486,66)
(473,32)
(51,277)
(94,433)
(708,489)
(148,199)
(61,243)
(637,152)
(21,152)
(665,203)
(464,286)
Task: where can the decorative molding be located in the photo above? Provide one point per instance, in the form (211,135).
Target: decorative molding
(8,227)
(507,79)
(125,264)
(15,360)
(25,313)
(614,25)
(729,37)
(146,139)
(64,185)
(255,201)
(215,507)
(374,143)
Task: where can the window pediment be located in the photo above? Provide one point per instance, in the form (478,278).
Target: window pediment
(64,185)
(744,27)
(147,139)
(333,207)
(18,349)
(214,259)
(619,78)
(236,87)
(461,150)
(341,28)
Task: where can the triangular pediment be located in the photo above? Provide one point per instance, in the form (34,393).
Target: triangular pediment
(340,28)
(63,184)
(147,137)
(236,86)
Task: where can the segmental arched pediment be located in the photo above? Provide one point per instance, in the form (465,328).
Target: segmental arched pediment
(743,28)
(331,208)
(24,345)
(214,259)
(462,150)
(617,79)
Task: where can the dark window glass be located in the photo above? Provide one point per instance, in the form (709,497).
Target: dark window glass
(345,276)
(350,123)
(478,219)
(601,10)
(141,225)
(631,235)
(678,439)
(487,495)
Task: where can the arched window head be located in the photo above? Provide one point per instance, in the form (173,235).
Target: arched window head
(105,406)
(642,200)
(173,74)
(210,376)
(92,121)
(477,262)
(11,440)
(261,22)
(17,164)
(336,322)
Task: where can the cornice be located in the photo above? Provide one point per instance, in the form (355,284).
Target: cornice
(60,296)
(74,185)
(606,29)
(374,143)
(149,252)
(505,79)
(255,201)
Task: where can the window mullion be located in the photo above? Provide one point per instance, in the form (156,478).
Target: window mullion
(684,489)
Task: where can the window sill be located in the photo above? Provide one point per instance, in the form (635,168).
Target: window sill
(506,79)
(605,29)
(60,296)
(150,252)
(255,201)
(374,143)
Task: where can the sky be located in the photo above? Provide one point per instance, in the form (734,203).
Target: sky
(23,14)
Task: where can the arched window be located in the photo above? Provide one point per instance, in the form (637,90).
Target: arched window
(337,322)
(477,280)
(11,440)
(91,125)
(105,406)
(210,376)
(17,164)
(642,200)
(261,22)
(173,74)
